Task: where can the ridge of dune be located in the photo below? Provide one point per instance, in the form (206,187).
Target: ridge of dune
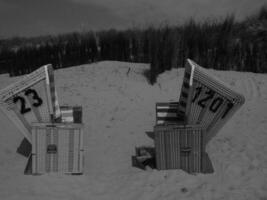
(118,108)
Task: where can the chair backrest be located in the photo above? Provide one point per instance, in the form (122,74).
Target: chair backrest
(206,100)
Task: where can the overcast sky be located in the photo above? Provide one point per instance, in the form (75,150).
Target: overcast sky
(41,17)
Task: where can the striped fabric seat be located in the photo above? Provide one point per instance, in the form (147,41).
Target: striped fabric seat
(167,113)
(71,114)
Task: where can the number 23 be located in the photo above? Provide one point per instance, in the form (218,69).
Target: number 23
(36,100)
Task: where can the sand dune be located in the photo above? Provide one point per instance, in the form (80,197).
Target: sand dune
(118,108)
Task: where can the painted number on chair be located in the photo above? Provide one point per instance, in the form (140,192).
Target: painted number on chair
(209,96)
(35,99)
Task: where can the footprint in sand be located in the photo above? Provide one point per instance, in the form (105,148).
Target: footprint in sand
(251,89)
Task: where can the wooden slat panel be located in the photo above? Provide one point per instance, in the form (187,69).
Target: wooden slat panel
(66,142)
(179,147)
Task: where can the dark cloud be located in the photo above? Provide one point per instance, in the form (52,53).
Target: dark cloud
(35,17)
(39,17)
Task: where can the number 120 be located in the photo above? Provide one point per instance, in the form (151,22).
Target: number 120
(215,104)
